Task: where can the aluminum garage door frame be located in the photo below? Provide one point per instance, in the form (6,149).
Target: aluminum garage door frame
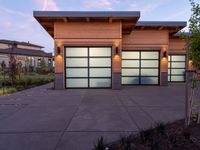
(175,64)
(88,67)
(139,76)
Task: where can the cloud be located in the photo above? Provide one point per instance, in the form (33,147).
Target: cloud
(50,5)
(178,14)
(100,4)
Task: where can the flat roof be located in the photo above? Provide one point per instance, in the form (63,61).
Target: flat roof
(25,52)
(162,23)
(86,14)
(47,18)
(172,26)
(19,43)
(129,20)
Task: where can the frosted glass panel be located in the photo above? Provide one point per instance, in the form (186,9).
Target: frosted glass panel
(178,58)
(130,72)
(177,78)
(100,82)
(149,55)
(77,83)
(76,72)
(100,72)
(149,63)
(169,58)
(178,71)
(130,63)
(149,80)
(100,62)
(100,51)
(76,62)
(178,65)
(168,78)
(149,72)
(130,55)
(76,51)
(130,80)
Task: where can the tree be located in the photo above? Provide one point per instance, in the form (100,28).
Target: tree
(12,69)
(43,64)
(192,112)
(19,69)
(194,29)
(3,70)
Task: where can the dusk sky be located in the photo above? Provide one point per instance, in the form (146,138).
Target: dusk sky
(17,22)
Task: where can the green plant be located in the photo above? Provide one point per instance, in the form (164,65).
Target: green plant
(100,145)
(126,143)
(146,135)
(160,129)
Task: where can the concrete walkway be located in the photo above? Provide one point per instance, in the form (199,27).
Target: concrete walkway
(46,119)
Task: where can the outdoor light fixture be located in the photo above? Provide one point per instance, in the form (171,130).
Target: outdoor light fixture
(58,50)
(117,50)
(164,54)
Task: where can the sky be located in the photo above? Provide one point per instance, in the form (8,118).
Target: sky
(17,21)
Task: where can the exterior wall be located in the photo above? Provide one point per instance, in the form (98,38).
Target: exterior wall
(4,58)
(149,40)
(28,47)
(3,46)
(177,45)
(87,34)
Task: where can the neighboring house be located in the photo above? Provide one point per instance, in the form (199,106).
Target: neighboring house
(110,49)
(24,52)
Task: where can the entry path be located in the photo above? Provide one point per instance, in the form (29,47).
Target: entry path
(44,119)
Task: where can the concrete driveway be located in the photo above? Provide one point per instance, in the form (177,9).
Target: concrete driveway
(46,119)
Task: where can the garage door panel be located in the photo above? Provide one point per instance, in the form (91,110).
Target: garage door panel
(100,82)
(99,52)
(76,62)
(149,55)
(131,55)
(176,78)
(88,67)
(76,52)
(178,65)
(178,71)
(178,58)
(77,72)
(150,63)
(74,83)
(130,63)
(100,62)
(149,72)
(143,70)
(130,80)
(149,80)
(176,68)
(100,72)
(130,72)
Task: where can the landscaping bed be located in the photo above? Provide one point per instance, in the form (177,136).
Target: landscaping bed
(171,136)
(26,82)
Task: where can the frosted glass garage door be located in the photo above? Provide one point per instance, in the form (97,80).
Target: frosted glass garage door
(88,67)
(176,68)
(140,67)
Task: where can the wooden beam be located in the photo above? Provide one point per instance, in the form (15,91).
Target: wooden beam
(65,20)
(110,20)
(161,28)
(87,19)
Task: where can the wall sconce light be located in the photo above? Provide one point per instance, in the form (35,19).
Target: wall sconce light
(164,54)
(58,50)
(117,50)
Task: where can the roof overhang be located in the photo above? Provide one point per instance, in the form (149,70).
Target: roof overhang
(47,18)
(172,26)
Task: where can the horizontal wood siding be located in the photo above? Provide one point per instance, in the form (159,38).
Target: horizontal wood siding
(176,44)
(146,39)
(87,30)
